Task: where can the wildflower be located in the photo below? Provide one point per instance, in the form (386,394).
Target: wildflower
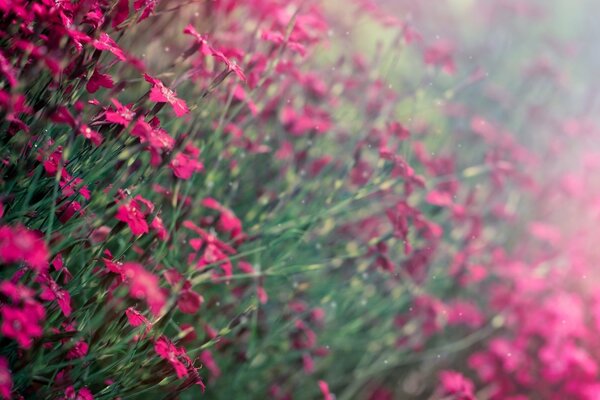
(81,394)
(232,66)
(148,8)
(135,318)
(168,351)
(324,387)
(162,94)
(456,386)
(440,53)
(228,222)
(158,226)
(90,134)
(98,80)
(106,43)
(79,350)
(122,115)
(18,244)
(186,163)
(207,359)
(144,285)
(16,292)
(189,302)
(121,13)
(6,382)
(200,40)
(52,292)
(22,323)
(157,139)
(134,213)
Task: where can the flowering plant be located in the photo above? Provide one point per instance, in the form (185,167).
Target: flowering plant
(297,200)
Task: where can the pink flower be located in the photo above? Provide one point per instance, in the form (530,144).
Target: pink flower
(83,394)
(186,163)
(158,226)
(98,80)
(162,94)
(135,318)
(78,351)
(168,351)
(16,292)
(121,13)
(455,385)
(200,40)
(189,302)
(232,66)
(22,324)
(157,139)
(90,134)
(325,390)
(51,291)
(207,359)
(441,54)
(134,214)
(105,42)
(5,379)
(147,5)
(144,285)
(18,244)
(122,115)
(228,222)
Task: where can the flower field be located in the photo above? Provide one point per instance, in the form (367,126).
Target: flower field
(300,199)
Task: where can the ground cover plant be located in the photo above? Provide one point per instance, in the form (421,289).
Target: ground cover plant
(299,199)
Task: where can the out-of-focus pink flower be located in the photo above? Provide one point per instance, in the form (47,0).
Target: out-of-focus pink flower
(189,302)
(22,323)
(81,394)
(144,285)
(135,318)
(6,382)
(324,387)
(90,134)
(456,386)
(78,351)
(207,359)
(19,244)
(51,291)
(186,163)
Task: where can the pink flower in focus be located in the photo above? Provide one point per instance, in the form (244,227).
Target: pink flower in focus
(162,94)
(122,115)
